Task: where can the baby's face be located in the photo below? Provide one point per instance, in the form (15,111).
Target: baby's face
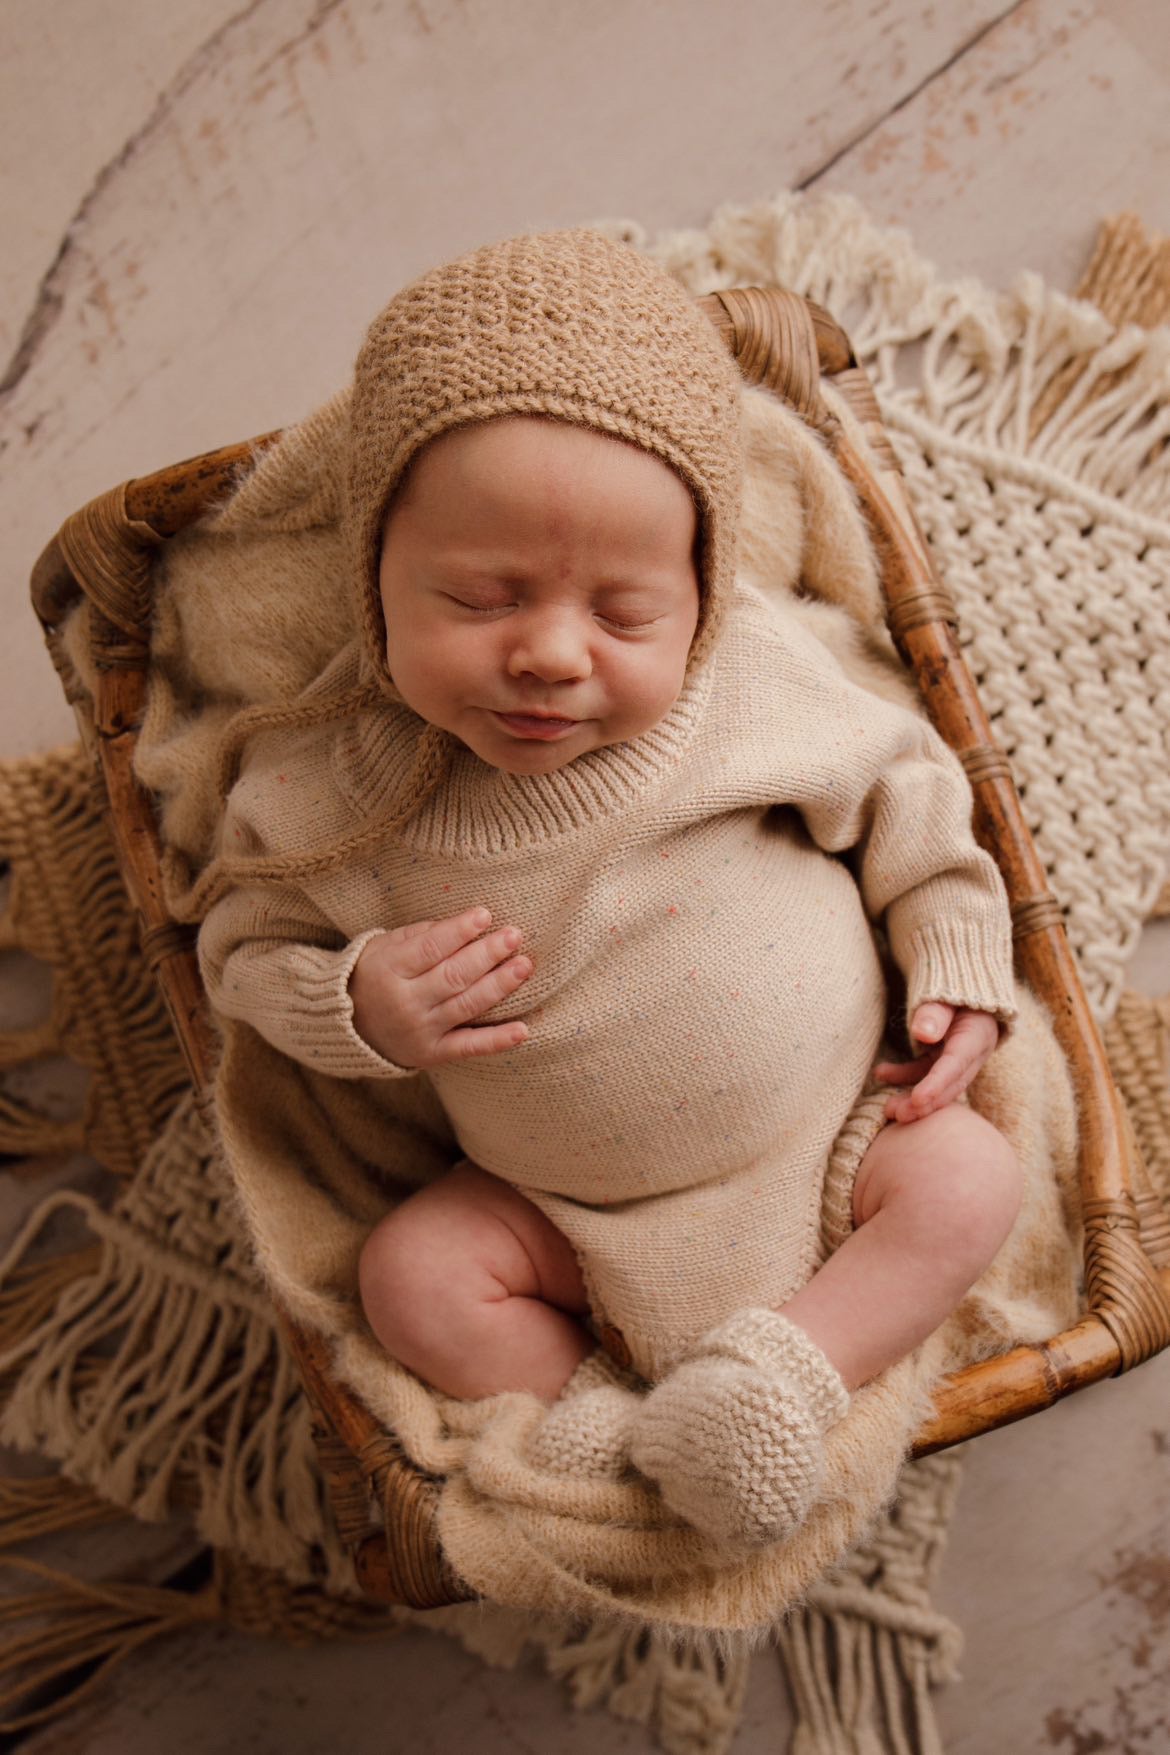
(540,590)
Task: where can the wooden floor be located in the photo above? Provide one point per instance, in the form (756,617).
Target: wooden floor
(204,206)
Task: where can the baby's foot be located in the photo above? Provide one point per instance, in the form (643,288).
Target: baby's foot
(587,1430)
(733,1437)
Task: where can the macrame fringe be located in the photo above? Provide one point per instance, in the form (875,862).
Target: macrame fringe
(47,1505)
(78,1627)
(156,1390)
(1128,277)
(1030,372)
(860,1688)
(61,1642)
(691,1695)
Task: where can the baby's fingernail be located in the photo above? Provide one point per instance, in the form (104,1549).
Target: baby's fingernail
(481,918)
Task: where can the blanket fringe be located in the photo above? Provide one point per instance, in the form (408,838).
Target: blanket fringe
(156,1391)
(859,1688)
(78,1626)
(1030,372)
(691,1694)
(62,1641)
(49,1505)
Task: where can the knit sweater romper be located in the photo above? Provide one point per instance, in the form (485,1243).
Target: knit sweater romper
(707,997)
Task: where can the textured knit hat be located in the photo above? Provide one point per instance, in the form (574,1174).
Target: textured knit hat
(564,324)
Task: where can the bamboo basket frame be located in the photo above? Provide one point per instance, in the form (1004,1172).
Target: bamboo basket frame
(785,343)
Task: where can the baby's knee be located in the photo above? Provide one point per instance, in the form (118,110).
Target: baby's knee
(954,1177)
(989,1189)
(420,1264)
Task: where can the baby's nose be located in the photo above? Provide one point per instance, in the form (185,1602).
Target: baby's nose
(553,648)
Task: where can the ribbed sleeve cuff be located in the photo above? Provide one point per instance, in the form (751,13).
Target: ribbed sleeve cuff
(318,1014)
(960,964)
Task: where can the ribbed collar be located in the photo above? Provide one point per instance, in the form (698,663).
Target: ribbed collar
(478,811)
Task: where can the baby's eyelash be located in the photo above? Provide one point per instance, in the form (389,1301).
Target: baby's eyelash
(628,627)
(478,608)
(494,608)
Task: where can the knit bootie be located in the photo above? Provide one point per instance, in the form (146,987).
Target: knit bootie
(732,1437)
(587,1430)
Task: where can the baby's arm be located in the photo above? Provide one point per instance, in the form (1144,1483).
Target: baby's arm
(382,1005)
(880,784)
(270,956)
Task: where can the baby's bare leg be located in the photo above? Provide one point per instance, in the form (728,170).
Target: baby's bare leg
(933,1201)
(468,1285)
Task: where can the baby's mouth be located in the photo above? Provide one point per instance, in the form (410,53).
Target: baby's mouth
(538,725)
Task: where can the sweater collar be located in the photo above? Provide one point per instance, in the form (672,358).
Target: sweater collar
(477,810)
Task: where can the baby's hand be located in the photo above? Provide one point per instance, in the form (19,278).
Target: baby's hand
(416,989)
(957,1041)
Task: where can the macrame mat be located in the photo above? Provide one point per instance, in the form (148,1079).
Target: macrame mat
(135,1344)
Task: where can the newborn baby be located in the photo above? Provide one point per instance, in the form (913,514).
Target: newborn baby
(626,829)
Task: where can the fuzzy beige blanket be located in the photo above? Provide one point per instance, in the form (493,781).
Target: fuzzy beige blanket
(1031,438)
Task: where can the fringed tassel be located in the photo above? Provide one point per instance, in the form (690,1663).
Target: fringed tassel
(862,1687)
(47,1505)
(33,1139)
(79,1627)
(1129,275)
(690,1695)
(29,1294)
(159,1386)
(256,1600)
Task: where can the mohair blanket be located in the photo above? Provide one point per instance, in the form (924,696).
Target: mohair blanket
(1032,446)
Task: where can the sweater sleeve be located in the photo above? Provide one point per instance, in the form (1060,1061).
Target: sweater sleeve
(883,788)
(271,958)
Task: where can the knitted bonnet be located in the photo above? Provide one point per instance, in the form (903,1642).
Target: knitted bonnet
(564,324)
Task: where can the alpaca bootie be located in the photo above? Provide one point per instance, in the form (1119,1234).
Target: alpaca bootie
(587,1430)
(733,1436)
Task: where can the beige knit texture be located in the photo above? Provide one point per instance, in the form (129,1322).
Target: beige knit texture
(588,1430)
(706,1002)
(569,324)
(733,1436)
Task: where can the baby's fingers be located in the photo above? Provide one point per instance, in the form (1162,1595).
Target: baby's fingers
(479,1039)
(903,1072)
(480,995)
(941,1086)
(425,943)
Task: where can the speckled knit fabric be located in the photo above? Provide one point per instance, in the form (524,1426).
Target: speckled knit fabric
(707,997)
